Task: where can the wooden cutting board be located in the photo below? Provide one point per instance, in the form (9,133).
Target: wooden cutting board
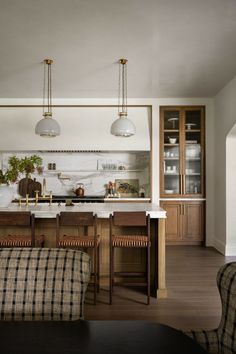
(33,187)
(29,186)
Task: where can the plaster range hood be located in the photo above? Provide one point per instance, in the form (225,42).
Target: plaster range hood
(82,129)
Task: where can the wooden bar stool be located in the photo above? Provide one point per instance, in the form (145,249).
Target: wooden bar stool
(19,220)
(84,220)
(129,219)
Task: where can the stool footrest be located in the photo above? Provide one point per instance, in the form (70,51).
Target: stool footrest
(129,284)
(129,274)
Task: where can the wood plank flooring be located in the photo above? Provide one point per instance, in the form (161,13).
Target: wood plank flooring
(193,300)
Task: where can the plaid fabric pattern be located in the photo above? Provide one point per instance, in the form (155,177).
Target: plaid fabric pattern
(43,283)
(222,340)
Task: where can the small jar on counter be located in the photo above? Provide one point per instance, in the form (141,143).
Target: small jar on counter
(141,192)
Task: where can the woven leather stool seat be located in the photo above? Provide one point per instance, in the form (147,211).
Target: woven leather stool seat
(130,241)
(81,241)
(21,241)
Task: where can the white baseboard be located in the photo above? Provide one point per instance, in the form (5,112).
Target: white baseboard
(230,249)
(220,246)
(226,250)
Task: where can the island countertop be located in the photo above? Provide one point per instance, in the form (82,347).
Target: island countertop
(103,210)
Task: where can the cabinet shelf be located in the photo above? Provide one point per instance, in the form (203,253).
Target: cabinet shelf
(167,144)
(192,158)
(192,130)
(171,174)
(94,171)
(193,174)
(171,131)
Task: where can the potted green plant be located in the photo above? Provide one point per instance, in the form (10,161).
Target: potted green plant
(16,166)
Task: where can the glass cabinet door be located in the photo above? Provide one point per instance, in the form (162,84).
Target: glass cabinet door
(171,158)
(192,177)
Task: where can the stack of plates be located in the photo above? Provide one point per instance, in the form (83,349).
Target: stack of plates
(169,191)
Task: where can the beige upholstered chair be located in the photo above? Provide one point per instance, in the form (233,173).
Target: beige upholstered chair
(222,340)
(43,283)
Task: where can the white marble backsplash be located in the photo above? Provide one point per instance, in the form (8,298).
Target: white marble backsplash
(93,169)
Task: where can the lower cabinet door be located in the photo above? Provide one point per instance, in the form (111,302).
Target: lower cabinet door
(173,220)
(193,221)
(185,222)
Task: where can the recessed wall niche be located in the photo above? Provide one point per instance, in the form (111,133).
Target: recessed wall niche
(63,170)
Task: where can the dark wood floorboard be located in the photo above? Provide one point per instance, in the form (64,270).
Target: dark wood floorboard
(193,300)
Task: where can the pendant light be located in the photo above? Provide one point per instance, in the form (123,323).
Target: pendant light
(122,126)
(47,127)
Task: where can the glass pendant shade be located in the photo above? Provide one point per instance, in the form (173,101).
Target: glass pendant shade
(47,126)
(123,127)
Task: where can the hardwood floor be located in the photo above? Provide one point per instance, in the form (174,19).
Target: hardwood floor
(193,300)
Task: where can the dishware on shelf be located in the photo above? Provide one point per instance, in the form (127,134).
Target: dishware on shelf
(189,126)
(173,120)
(169,191)
(172,140)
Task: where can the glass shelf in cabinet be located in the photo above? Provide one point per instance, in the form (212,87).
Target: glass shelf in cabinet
(171,130)
(168,144)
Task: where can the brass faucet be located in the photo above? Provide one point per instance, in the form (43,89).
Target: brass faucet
(36,197)
(27,199)
(44,187)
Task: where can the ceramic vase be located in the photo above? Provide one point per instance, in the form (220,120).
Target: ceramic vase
(6,195)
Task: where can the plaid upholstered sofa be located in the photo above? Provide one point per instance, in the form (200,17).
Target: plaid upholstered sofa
(43,284)
(222,340)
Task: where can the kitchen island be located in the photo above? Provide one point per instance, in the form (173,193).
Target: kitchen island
(46,224)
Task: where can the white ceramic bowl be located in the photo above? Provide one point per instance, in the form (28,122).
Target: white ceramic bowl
(172,140)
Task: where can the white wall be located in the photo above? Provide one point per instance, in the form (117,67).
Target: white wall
(155,106)
(225,119)
(231,192)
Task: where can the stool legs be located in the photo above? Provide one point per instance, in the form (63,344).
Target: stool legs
(148,275)
(111,271)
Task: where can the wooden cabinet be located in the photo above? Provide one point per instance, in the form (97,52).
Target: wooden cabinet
(185,223)
(182,152)
(182,172)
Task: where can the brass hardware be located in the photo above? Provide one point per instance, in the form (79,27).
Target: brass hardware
(48,61)
(122,114)
(27,199)
(123,61)
(60,176)
(47,114)
(50,198)
(183,209)
(181,184)
(19,201)
(36,197)
(184,184)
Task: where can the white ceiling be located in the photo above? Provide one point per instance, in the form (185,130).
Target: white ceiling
(175,48)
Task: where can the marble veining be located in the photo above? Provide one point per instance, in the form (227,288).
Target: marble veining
(93,169)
